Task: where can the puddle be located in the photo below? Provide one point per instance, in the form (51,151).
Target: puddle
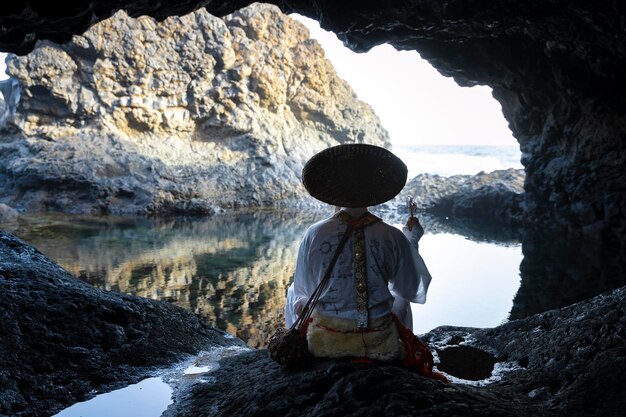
(148,398)
(152,396)
(462,362)
(466,362)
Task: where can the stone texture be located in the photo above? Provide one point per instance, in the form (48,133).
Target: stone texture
(556,67)
(189,115)
(561,363)
(62,339)
(495,198)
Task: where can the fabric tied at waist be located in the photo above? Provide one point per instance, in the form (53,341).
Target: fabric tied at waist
(334,337)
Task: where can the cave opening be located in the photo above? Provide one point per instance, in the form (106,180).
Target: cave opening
(435,125)
(555,67)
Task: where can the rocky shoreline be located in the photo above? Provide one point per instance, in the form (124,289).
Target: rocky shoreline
(66,339)
(94,126)
(492,199)
(567,362)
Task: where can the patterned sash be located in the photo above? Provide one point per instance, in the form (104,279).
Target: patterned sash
(360,269)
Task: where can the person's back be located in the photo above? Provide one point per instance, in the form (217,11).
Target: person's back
(365,280)
(376,267)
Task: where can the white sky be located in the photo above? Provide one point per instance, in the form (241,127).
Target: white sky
(415,103)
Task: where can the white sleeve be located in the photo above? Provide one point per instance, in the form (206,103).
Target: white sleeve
(411,278)
(303,283)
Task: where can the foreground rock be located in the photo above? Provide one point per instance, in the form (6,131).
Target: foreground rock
(62,340)
(561,363)
(189,115)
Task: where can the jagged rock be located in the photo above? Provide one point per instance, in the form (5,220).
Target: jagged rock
(567,362)
(63,339)
(556,67)
(496,198)
(182,116)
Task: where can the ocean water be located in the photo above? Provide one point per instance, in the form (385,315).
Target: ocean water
(450,160)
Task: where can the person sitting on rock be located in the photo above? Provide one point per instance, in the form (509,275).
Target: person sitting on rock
(364,308)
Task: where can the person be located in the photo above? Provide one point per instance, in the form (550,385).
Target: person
(364,309)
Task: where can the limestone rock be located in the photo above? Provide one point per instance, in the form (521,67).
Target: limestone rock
(183,116)
(556,67)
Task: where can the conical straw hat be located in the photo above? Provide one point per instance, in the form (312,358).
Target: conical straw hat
(354,175)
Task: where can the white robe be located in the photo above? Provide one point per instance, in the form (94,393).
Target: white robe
(396,273)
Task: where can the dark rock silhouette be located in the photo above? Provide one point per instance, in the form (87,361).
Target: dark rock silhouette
(63,339)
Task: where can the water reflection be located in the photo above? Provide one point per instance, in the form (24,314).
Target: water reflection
(473,282)
(557,272)
(233,270)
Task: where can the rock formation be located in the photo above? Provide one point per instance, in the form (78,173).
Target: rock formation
(63,339)
(494,198)
(556,67)
(188,115)
(561,363)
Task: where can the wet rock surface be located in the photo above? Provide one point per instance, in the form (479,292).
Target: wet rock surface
(567,362)
(190,115)
(63,340)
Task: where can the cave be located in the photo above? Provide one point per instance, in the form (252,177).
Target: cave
(556,68)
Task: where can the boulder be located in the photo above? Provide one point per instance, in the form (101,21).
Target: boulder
(495,198)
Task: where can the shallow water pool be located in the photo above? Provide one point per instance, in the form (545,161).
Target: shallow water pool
(233,270)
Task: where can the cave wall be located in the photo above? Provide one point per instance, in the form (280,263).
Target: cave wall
(557,68)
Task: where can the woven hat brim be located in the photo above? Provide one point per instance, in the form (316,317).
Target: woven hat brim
(354,175)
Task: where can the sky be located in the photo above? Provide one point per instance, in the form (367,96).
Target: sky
(415,103)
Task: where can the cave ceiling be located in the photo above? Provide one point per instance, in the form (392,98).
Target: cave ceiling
(567,31)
